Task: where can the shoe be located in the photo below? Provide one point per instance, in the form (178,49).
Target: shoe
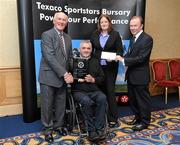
(93,136)
(49,138)
(101,134)
(133,122)
(139,127)
(61,131)
(113,124)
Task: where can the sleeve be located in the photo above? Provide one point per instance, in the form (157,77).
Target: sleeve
(143,55)
(48,53)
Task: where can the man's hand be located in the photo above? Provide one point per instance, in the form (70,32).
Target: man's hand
(89,79)
(119,58)
(68,78)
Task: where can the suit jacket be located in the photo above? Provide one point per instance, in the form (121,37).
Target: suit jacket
(113,44)
(54,62)
(137,60)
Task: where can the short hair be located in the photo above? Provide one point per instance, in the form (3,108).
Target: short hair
(138,17)
(87,42)
(109,20)
(57,13)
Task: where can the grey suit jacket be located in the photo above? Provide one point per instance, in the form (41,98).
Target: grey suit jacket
(54,63)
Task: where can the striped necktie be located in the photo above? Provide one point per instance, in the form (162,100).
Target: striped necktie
(62,44)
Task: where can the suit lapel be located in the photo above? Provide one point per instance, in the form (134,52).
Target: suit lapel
(57,39)
(108,41)
(66,48)
(137,41)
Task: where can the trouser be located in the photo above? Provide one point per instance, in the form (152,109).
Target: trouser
(93,107)
(53,102)
(140,102)
(108,87)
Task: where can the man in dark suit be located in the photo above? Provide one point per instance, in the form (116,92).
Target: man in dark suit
(138,74)
(54,75)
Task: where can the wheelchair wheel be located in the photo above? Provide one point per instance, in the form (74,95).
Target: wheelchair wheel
(70,113)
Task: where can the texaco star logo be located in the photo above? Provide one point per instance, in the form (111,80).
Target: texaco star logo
(124,99)
(80,64)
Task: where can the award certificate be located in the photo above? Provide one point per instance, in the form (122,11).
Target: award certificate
(108,55)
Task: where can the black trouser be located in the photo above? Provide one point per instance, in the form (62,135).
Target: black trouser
(92,101)
(108,87)
(140,102)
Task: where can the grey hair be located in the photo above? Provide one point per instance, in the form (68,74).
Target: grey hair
(87,42)
(57,13)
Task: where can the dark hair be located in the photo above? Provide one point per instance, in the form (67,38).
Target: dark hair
(109,20)
(138,17)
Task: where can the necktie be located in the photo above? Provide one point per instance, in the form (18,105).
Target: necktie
(132,41)
(62,44)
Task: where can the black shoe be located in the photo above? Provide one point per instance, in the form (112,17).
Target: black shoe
(113,124)
(93,136)
(133,122)
(49,138)
(61,131)
(101,134)
(140,127)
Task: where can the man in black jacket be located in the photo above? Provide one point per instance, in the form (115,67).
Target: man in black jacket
(86,92)
(138,74)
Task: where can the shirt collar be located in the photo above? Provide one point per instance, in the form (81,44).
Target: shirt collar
(101,35)
(59,33)
(138,34)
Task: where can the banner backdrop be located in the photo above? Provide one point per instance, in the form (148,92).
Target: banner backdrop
(83,16)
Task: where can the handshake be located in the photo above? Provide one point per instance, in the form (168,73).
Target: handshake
(68,78)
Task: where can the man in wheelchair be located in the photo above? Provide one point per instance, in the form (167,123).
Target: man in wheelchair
(87,93)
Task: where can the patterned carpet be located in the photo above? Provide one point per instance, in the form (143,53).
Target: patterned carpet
(164,130)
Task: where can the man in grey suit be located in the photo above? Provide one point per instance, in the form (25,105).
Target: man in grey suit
(56,48)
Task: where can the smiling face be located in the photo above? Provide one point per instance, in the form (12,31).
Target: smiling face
(85,49)
(135,25)
(104,24)
(60,21)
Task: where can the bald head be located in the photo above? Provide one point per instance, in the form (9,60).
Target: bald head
(60,21)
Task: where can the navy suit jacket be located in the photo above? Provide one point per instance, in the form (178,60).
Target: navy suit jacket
(137,60)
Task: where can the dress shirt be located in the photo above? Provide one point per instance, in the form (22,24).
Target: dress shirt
(103,39)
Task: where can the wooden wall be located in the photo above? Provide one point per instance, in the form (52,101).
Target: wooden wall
(10,91)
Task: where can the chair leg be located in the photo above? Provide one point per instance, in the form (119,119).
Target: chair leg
(166,90)
(179,92)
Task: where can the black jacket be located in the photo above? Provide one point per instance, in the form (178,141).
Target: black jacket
(95,70)
(137,60)
(113,44)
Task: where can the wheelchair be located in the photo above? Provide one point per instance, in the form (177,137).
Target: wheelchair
(75,120)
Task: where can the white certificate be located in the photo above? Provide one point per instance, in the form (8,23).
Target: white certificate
(108,55)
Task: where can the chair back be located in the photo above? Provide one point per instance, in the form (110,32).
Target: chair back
(159,70)
(174,69)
